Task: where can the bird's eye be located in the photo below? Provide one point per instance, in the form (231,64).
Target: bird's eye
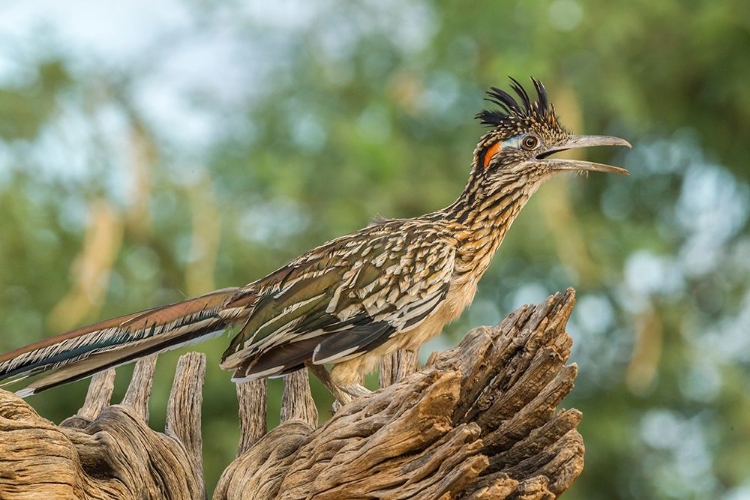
(530,142)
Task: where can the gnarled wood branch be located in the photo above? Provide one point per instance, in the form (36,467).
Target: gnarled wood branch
(478,422)
(107,451)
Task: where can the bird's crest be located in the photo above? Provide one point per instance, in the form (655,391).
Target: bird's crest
(516,114)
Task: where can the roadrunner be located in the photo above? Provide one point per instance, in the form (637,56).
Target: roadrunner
(348,302)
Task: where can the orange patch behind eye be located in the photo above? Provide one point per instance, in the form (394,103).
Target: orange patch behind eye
(491,151)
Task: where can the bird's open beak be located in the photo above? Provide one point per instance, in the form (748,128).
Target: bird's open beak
(583,141)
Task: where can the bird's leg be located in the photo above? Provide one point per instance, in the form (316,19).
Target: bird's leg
(325,377)
(343,393)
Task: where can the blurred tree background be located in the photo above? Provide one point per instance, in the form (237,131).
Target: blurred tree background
(151,151)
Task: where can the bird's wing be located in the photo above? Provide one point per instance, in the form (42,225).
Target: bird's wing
(343,299)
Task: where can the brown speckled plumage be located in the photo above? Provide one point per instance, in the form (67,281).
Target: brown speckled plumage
(391,285)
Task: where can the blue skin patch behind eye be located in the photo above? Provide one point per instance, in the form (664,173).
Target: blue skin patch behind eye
(514,142)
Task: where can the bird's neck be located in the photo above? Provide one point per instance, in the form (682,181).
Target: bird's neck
(482,217)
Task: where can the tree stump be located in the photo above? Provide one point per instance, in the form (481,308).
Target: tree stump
(478,422)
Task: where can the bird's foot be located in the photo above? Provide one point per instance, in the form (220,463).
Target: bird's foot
(343,393)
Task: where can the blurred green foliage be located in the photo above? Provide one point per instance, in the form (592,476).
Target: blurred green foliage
(229,137)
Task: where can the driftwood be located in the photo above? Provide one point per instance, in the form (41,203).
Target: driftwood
(478,422)
(107,451)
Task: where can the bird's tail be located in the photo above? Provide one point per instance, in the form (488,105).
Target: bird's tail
(83,352)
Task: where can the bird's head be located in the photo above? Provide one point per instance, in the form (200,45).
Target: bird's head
(524,134)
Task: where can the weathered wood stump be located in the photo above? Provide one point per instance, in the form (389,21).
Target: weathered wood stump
(107,451)
(478,422)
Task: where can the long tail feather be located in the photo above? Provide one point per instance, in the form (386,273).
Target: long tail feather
(83,352)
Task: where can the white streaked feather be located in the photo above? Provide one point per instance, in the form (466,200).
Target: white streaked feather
(337,357)
(287,310)
(255,376)
(31,389)
(25,393)
(113,336)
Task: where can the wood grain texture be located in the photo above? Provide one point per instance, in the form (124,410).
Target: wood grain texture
(139,389)
(478,422)
(397,365)
(100,391)
(252,401)
(297,401)
(107,452)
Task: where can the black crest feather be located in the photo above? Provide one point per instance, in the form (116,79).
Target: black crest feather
(511,108)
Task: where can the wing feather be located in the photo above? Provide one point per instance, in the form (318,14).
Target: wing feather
(339,302)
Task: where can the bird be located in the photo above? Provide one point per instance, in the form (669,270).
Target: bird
(348,302)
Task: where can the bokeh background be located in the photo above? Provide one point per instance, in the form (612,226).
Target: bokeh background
(151,151)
